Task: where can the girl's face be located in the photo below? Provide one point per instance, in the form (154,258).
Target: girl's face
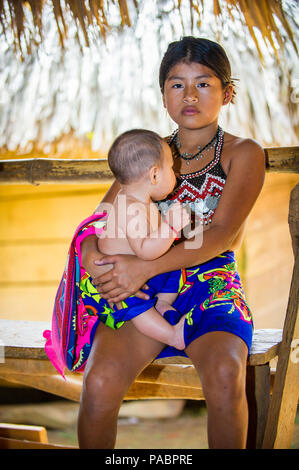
(193,95)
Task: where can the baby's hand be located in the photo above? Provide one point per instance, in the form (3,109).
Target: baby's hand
(177,216)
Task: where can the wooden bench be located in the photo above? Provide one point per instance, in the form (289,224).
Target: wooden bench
(26,363)
(272,401)
(18,436)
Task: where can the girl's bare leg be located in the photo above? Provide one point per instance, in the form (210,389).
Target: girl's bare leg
(152,324)
(116,359)
(220,359)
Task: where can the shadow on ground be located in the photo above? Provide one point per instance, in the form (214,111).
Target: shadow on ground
(187,431)
(151,424)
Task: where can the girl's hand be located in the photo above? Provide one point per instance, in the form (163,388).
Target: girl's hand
(128,275)
(177,216)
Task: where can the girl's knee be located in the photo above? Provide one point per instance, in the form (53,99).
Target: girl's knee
(104,386)
(224,378)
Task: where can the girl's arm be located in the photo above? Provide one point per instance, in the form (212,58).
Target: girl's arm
(243,185)
(158,241)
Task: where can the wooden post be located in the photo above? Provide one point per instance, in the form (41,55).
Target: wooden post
(283,406)
(258,398)
(282,159)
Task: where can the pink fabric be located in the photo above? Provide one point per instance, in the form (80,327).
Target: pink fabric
(69,339)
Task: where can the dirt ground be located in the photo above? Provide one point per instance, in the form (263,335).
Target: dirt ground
(150,424)
(187,431)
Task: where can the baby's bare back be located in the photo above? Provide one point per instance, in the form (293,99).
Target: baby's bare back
(113,239)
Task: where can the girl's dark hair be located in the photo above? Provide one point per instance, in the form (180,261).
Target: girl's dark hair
(133,153)
(203,51)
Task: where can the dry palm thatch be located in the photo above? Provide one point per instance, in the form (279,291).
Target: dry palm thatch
(71,101)
(257,15)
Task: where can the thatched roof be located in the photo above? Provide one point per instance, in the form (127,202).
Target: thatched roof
(96,15)
(83,71)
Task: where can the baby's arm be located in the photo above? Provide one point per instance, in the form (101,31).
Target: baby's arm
(156,242)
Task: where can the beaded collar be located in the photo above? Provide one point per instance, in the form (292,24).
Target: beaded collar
(201,190)
(216,159)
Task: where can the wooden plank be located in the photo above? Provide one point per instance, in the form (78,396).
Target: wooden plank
(40,271)
(72,386)
(177,375)
(34,367)
(293,219)
(55,384)
(31,303)
(38,370)
(34,214)
(282,159)
(285,395)
(173,360)
(258,398)
(265,346)
(261,261)
(24,339)
(24,432)
(6,443)
(154,373)
(142,391)
(269,304)
(49,170)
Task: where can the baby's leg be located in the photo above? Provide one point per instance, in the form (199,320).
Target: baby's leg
(152,324)
(165,301)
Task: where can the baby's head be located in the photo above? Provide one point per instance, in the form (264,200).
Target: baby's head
(142,156)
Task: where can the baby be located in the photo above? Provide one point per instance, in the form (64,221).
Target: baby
(143,165)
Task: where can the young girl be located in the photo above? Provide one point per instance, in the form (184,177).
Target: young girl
(221,176)
(143,166)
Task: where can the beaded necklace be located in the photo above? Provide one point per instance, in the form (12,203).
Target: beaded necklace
(189,156)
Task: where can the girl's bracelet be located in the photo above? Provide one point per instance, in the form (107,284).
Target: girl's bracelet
(173,229)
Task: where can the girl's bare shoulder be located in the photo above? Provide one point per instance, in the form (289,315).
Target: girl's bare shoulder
(235,147)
